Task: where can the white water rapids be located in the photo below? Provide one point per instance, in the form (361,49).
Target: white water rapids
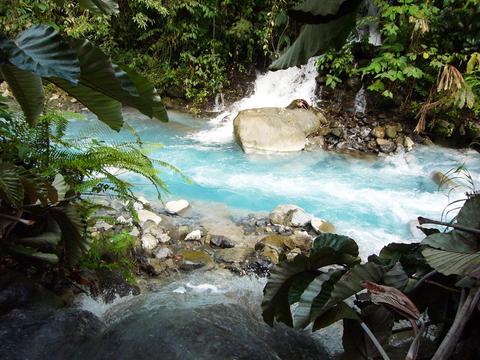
(271,89)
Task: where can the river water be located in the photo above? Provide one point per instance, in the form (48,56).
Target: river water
(374,200)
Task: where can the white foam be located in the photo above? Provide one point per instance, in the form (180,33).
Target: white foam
(272,89)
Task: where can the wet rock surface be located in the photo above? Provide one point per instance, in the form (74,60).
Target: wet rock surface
(46,334)
(213,331)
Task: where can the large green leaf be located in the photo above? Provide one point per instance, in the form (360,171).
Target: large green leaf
(453,263)
(314,296)
(42,51)
(275,300)
(27,89)
(107,7)
(11,188)
(339,243)
(122,84)
(275,303)
(47,239)
(315,40)
(351,282)
(33,253)
(396,277)
(333,314)
(70,224)
(107,109)
(459,240)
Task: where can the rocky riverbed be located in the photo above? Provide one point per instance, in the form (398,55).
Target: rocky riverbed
(176,237)
(172,241)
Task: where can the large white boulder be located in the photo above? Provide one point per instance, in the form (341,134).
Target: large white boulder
(275,129)
(174,207)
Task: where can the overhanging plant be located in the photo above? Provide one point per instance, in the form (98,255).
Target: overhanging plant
(435,282)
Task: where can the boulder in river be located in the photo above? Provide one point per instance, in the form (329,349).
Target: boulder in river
(196,332)
(46,334)
(275,129)
(279,215)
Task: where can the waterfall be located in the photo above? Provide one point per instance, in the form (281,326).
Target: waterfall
(219,103)
(271,89)
(360,101)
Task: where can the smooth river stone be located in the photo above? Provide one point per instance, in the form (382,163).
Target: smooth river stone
(145,215)
(322,226)
(174,207)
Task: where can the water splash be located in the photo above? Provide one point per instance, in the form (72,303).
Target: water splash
(272,89)
(360,101)
(219,103)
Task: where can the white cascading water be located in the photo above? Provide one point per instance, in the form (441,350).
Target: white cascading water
(272,89)
(360,101)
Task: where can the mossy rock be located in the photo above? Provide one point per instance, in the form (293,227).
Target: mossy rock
(274,242)
(234,255)
(192,259)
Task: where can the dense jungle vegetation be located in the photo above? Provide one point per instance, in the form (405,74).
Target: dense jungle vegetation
(420,56)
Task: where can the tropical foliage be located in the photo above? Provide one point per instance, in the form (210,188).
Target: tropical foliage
(43,175)
(435,282)
(188,49)
(430,48)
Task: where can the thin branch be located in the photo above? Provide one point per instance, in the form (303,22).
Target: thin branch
(17,219)
(374,340)
(422,220)
(423,279)
(442,286)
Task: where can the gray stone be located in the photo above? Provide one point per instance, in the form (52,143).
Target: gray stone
(298,218)
(149,242)
(135,232)
(179,328)
(378,132)
(195,235)
(163,253)
(117,204)
(279,215)
(408,143)
(102,225)
(386,146)
(163,237)
(221,241)
(274,129)
(46,334)
(145,215)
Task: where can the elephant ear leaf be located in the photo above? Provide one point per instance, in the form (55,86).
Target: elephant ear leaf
(316,12)
(457,252)
(27,89)
(42,51)
(107,7)
(329,24)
